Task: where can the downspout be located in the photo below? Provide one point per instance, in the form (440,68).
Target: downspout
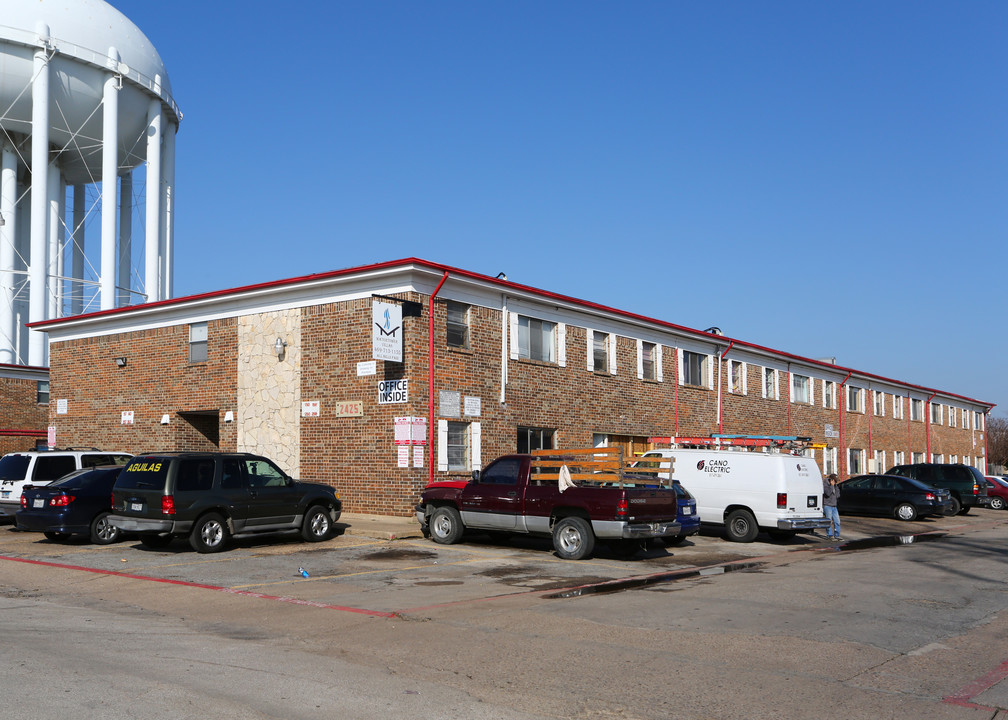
(927,427)
(720,398)
(430,380)
(871,399)
(842,405)
(789,398)
(675,385)
(986,461)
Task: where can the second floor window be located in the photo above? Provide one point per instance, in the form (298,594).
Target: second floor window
(457,325)
(198,342)
(916,410)
(829,395)
(600,352)
(736,377)
(694,369)
(770,384)
(648,360)
(800,389)
(42,392)
(536,339)
(878,402)
(855,399)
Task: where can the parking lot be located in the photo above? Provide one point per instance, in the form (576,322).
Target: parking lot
(364,570)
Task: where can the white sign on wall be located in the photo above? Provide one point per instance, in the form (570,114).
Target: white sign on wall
(386,331)
(310,408)
(61,406)
(127,417)
(393,391)
(367,367)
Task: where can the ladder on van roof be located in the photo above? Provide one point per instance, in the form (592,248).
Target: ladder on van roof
(780,443)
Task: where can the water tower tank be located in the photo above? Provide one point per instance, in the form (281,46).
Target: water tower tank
(85,105)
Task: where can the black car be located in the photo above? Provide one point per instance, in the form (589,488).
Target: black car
(892,495)
(211,497)
(965,483)
(77,504)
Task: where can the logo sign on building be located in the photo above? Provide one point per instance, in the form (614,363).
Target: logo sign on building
(386,331)
(393,391)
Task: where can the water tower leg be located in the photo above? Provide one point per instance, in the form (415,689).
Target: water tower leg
(110,167)
(39,205)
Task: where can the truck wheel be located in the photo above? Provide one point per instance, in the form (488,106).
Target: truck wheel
(740,526)
(317,524)
(905,511)
(446,525)
(209,534)
(955,507)
(102,531)
(573,538)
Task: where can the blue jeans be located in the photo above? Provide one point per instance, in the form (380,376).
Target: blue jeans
(833,516)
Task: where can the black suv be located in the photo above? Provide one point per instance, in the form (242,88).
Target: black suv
(210,497)
(965,483)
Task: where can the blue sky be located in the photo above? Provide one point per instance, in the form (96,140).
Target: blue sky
(825,178)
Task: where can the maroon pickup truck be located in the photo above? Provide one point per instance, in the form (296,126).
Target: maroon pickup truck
(539,494)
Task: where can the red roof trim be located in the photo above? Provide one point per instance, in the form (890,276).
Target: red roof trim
(441,268)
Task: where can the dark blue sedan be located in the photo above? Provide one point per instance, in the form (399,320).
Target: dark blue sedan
(892,495)
(77,504)
(689,521)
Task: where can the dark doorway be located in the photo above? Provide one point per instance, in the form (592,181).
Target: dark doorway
(200,430)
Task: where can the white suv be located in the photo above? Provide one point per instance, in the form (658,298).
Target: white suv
(41,467)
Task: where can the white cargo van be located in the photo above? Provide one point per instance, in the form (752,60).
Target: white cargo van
(748,491)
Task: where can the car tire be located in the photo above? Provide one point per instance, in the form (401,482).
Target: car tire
(317,525)
(155,541)
(446,525)
(964,510)
(102,531)
(741,527)
(573,538)
(906,512)
(955,507)
(56,536)
(209,534)
(997,503)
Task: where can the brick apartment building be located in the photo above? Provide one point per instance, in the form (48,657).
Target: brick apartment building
(286,369)
(24,407)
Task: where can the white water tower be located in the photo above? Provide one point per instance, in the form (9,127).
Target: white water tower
(87,136)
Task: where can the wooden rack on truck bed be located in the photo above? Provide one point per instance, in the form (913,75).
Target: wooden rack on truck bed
(598,466)
(792,444)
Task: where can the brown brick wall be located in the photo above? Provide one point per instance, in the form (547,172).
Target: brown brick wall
(22,418)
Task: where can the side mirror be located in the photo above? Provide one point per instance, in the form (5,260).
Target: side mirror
(475,476)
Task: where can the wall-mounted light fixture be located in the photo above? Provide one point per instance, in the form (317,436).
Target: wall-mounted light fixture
(120,362)
(279,347)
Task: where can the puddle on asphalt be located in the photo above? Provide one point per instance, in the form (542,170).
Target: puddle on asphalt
(613,586)
(400,554)
(887,541)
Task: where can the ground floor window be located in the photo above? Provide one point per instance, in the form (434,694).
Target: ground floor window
(829,461)
(530,438)
(855,461)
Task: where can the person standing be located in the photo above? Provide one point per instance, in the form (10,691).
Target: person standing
(830,495)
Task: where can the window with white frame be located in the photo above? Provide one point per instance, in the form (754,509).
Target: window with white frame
(855,399)
(536,339)
(829,461)
(878,403)
(897,457)
(978,420)
(897,407)
(966,417)
(936,413)
(770,384)
(940,459)
(953,459)
(880,464)
(801,389)
(42,392)
(952,416)
(198,342)
(648,361)
(736,377)
(916,457)
(458,446)
(855,461)
(916,410)
(829,395)
(694,369)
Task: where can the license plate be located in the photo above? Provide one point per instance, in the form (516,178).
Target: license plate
(38,503)
(136,507)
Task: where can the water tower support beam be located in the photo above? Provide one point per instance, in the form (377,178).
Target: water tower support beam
(110,166)
(39,196)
